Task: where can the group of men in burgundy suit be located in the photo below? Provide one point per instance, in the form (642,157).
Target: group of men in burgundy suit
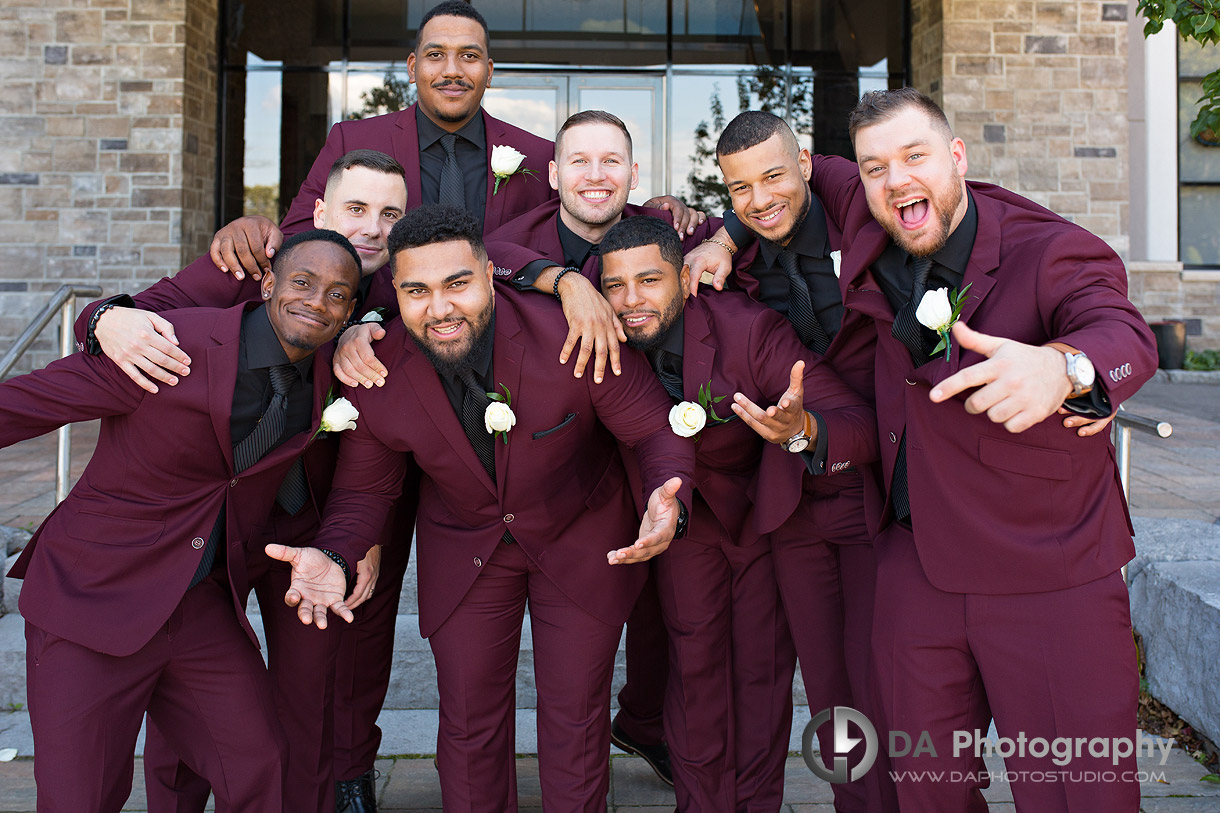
(914,590)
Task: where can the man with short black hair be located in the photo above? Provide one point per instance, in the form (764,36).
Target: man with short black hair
(529,511)
(135,586)
(728,708)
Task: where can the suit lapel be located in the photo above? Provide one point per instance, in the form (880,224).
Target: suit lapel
(406,142)
(222,377)
(860,291)
(493,132)
(507,356)
(428,389)
(698,351)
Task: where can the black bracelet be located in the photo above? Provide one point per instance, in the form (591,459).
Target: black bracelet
(91,345)
(347,571)
(559,276)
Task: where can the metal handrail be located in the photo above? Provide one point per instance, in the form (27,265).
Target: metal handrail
(1124,422)
(64,301)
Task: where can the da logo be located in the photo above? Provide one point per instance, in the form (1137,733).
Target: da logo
(842,717)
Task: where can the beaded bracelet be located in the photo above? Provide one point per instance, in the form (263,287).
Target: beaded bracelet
(559,276)
(342,563)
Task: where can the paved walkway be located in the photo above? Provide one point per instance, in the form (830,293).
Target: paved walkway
(1177,477)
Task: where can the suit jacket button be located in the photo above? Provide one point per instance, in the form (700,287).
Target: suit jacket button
(478,562)
(893,438)
(233,482)
(197,543)
(509,517)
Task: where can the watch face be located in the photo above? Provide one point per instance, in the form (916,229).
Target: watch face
(797,444)
(1084,370)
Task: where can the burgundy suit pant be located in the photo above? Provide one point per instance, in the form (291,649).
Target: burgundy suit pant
(203,685)
(827,591)
(476,663)
(728,704)
(1045,665)
(641,701)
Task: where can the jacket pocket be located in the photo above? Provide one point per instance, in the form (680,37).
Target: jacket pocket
(556,431)
(111,530)
(1032,461)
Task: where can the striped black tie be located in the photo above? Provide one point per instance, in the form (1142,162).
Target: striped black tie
(247,452)
(800,306)
(452,187)
(906,327)
(474,405)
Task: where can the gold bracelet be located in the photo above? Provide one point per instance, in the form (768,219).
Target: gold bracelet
(722,244)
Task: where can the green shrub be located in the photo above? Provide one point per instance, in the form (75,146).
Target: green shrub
(1202,360)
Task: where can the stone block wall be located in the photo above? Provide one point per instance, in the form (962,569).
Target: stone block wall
(105,147)
(1038,91)
(1165,291)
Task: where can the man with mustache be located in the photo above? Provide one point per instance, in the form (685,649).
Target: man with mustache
(999,592)
(135,586)
(525,514)
(729,704)
(365,195)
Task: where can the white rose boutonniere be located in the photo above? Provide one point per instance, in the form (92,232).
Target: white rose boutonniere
(338,416)
(939,311)
(499,417)
(506,162)
(687,419)
(375,315)
(836,257)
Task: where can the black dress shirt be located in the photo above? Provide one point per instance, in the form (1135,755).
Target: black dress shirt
(811,244)
(471,150)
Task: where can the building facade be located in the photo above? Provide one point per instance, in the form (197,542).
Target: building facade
(130,129)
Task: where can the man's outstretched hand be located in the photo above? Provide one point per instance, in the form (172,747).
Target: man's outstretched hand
(317,584)
(1020,385)
(246,246)
(657,526)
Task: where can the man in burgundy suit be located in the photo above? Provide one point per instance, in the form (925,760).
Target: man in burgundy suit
(364,197)
(729,704)
(998,588)
(527,513)
(135,586)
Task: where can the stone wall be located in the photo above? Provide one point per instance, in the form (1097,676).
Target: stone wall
(1038,91)
(1166,291)
(106,149)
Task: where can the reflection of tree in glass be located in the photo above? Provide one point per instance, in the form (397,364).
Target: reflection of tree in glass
(765,89)
(394,93)
(262,200)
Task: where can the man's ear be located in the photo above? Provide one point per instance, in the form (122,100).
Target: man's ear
(319,213)
(268,284)
(552,174)
(684,280)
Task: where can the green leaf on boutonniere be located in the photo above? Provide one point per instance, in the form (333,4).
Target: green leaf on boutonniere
(708,402)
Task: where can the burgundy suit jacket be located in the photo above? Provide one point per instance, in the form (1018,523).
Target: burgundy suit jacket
(201,284)
(560,486)
(535,236)
(832,505)
(110,564)
(738,345)
(995,512)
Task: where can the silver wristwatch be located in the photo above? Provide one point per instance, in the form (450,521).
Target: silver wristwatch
(1080,373)
(800,441)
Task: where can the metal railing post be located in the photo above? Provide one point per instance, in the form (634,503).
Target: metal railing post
(63,458)
(1122,454)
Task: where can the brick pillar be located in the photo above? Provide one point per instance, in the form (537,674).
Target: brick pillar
(1038,91)
(106,149)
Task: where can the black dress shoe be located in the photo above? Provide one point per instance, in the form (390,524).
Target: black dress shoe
(657,756)
(357,795)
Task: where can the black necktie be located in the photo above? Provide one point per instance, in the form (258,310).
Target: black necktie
(248,452)
(906,327)
(474,405)
(665,363)
(800,306)
(452,188)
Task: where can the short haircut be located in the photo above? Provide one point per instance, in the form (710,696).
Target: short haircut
(877,106)
(454,8)
(751,128)
(324,235)
(369,159)
(433,223)
(644,230)
(592,117)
